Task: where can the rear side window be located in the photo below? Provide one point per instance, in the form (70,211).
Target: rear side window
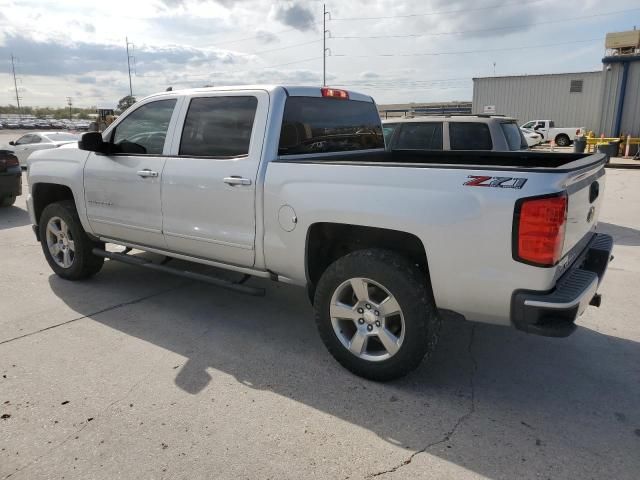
(426,136)
(218,126)
(323,125)
(470,136)
(514,137)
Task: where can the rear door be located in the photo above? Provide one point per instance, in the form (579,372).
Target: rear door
(209,180)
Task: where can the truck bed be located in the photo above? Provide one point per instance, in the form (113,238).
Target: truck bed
(540,161)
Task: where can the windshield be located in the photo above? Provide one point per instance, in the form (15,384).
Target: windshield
(514,137)
(387,131)
(62,137)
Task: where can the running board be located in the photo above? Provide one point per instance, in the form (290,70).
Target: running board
(143,262)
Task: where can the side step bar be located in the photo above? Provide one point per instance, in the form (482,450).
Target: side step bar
(143,262)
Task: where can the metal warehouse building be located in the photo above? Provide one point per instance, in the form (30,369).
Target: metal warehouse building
(606,101)
(569,99)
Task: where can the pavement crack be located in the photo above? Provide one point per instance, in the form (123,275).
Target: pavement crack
(456,425)
(98,312)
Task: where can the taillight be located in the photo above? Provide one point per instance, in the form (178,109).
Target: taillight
(8,160)
(539,228)
(334,93)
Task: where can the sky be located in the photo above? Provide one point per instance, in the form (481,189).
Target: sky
(397,51)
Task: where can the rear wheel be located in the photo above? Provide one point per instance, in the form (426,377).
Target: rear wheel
(8,201)
(376,314)
(66,245)
(563,140)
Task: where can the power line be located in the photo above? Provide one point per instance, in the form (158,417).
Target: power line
(464,52)
(426,14)
(495,29)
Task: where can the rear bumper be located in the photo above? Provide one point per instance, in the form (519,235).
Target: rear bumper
(553,314)
(11,183)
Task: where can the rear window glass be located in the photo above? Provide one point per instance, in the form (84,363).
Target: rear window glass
(470,136)
(218,126)
(426,136)
(514,137)
(323,125)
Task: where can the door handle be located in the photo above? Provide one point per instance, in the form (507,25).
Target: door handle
(235,180)
(146,173)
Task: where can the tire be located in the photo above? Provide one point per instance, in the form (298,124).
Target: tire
(81,262)
(386,275)
(8,201)
(563,141)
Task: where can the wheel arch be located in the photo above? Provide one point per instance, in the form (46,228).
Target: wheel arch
(44,194)
(327,241)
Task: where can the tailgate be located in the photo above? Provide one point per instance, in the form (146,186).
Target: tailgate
(585,190)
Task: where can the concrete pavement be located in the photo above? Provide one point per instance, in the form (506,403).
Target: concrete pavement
(135,374)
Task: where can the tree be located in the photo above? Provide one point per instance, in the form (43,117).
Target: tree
(125,102)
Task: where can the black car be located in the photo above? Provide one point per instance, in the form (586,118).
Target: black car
(10,178)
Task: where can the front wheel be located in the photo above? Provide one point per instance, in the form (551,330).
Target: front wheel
(66,246)
(375,314)
(563,141)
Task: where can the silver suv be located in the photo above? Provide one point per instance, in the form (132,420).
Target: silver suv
(468,132)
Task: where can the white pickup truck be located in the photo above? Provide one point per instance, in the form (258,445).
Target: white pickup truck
(294,184)
(563,137)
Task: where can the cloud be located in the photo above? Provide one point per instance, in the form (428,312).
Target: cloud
(295,15)
(53,57)
(86,79)
(86,26)
(266,37)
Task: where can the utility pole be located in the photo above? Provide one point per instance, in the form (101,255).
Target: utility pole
(15,84)
(70,103)
(324,43)
(129,65)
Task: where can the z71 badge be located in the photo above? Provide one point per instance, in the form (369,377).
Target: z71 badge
(497,182)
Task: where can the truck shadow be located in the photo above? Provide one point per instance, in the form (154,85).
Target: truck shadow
(490,400)
(621,235)
(13,216)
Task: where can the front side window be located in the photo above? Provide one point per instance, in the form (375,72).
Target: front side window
(218,126)
(470,136)
(324,125)
(513,135)
(420,136)
(144,130)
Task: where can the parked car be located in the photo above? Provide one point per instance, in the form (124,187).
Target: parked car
(563,137)
(12,124)
(532,138)
(31,142)
(10,178)
(464,132)
(294,184)
(26,124)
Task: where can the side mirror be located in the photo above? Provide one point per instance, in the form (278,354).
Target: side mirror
(12,142)
(92,142)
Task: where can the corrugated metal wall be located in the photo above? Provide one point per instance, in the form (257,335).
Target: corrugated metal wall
(612,85)
(539,97)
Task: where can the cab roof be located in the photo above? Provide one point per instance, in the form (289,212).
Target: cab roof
(289,90)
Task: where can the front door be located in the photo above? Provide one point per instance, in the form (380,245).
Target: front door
(122,189)
(209,181)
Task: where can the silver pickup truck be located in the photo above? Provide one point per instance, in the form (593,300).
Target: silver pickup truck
(294,184)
